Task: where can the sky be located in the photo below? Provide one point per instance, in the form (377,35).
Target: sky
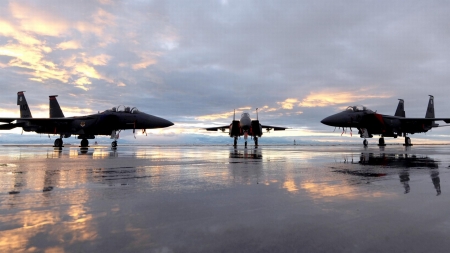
(194,62)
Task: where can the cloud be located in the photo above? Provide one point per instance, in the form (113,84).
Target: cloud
(288,104)
(225,115)
(40,22)
(69,45)
(329,98)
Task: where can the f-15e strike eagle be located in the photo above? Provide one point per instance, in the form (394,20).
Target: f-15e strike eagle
(370,123)
(109,122)
(245,127)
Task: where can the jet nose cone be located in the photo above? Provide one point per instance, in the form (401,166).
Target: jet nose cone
(330,121)
(155,122)
(326,121)
(161,123)
(166,123)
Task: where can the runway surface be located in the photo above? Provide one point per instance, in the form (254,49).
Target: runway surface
(221,199)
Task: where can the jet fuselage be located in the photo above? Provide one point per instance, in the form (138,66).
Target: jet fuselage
(98,124)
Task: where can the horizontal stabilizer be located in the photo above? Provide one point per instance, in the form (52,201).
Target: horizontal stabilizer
(222,128)
(7,120)
(274,128)
(9,126)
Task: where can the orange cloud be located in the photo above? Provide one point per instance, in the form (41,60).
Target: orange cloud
(144,64)
(98,60)
(147,59)
(288,104)
(72,44)
(327,98)
(39,22)
(225,115)
(27,57)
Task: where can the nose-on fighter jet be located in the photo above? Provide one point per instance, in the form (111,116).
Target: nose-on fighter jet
(109,122)
(245,127)
(370,123)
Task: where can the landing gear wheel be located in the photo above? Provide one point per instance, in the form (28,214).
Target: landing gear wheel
(256,141)
(365,143)
(84,143)
(235,142)
(58,143)
(408,141)
(114,144)
(245,143)
(381,142)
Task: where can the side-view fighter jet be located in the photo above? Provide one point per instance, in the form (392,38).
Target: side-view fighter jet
(109,122)
(371,123)
(245,127)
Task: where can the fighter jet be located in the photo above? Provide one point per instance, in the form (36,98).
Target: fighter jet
(109,122)
(371,123)
(245,127)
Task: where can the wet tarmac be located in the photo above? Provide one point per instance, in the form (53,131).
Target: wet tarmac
(221,199)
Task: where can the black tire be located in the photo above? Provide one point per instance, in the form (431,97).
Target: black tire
(245,144)
(407,141)
(58,142)
(365,143)
(381,142)
(235,142)
(84,143)
(114,144)
(256,141)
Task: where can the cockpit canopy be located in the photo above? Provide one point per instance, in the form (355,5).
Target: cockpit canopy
(358,108)
(245,114)
(123,109)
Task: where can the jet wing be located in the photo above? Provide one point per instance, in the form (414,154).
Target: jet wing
(406,120)
(38,121)
(7,120)
(222,128)
(275,128)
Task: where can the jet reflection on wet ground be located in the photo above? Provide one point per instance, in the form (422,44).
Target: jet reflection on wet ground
(217,198)
(389,162)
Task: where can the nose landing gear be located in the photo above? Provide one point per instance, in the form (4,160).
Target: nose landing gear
(84,143)
(115,136)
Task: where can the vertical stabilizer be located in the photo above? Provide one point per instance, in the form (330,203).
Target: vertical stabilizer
(430,108)
(22,102)
(54,108)
(400,112)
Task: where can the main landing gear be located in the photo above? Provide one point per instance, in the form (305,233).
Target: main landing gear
(256,141)
(381,142)
(58,143)
(235,141)
(407,142)
(365,143)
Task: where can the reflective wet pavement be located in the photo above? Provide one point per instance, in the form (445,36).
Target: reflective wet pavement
(221,199)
